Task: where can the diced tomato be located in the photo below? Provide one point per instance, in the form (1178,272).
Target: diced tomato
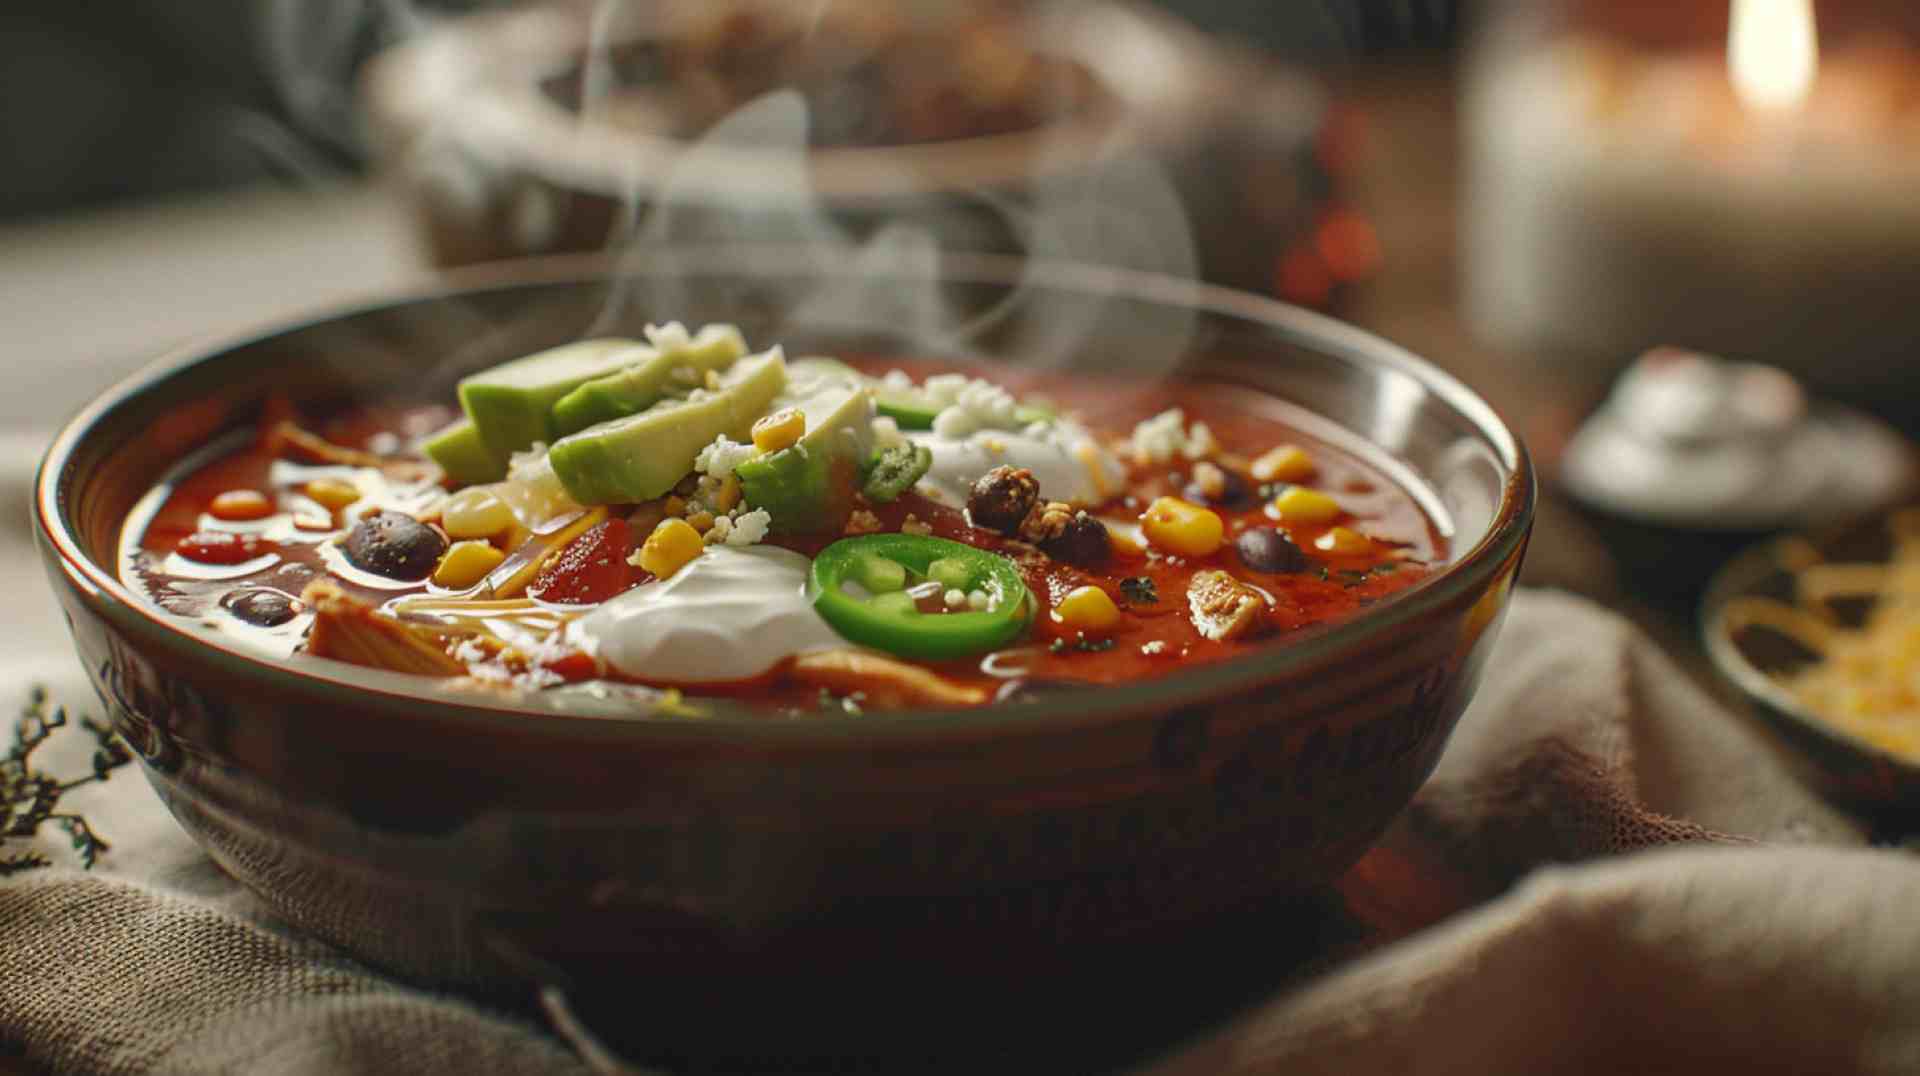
(573,666)
(219,547)
(591,569)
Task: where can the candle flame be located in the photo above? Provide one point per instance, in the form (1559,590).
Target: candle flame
(1772,52)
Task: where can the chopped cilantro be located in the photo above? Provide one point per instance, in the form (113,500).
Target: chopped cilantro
(1080,642)
(1139,590)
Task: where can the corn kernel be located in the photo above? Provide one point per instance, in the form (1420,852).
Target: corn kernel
(1179,527)
(701,521)
(1088,610)
(1343,542)
(675,506)
(779,430)
(728,494)
(466,563)
(1288,463)
(671,546)
(1302,505)
(238,504)
(475,513)
(333,493)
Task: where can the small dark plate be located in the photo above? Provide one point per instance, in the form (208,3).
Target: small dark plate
(1752,654)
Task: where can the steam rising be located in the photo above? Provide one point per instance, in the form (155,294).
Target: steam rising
(1092,195)
(1113,207)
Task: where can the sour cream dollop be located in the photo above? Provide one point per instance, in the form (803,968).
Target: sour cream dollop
(1069,462)
(730,614)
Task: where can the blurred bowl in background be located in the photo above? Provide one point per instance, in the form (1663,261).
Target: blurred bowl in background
(1779,609)
(991,127)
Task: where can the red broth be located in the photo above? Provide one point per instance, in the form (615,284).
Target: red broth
(293,545)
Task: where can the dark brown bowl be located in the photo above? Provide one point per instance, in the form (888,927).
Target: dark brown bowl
(1751,654)
(459,840)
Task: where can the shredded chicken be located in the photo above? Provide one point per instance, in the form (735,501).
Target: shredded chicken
(348,629)
(1224,607)
(287,438)
(886,682)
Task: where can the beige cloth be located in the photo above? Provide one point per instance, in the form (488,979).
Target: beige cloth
(1584,742)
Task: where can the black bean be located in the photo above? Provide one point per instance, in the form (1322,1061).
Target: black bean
(1083,541)
(1002,497)
(1216,485)
(261,607)
(1264,549)
(395,545)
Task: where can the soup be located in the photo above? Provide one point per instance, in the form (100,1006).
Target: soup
(814,534)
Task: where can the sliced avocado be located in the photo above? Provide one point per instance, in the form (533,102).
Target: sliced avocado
(808,487)
(512,403)
(465,458)
(909,408)
(640,386)
(640,457)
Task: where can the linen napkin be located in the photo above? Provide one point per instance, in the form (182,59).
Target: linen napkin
(1771,938)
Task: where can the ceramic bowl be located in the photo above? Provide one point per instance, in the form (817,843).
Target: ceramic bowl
(479,125)
(459,841)
(1738,623)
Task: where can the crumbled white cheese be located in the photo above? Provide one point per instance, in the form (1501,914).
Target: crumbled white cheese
(954,423)
(1166,435)
(534,455)
(490,674)
(722,456)
(749,528)
(897,380)
(716,534)
(886,432)
(672,336)
(975,405)
(944,389)
(1200,442)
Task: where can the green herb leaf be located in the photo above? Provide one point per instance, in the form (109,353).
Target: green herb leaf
(1139,590)
(30,799)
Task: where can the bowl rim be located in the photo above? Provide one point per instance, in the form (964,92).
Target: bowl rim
(1773,700)
(404,695)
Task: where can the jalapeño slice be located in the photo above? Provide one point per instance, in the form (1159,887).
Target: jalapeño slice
(885,622)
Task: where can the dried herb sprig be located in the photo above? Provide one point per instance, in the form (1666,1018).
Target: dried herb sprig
(30,798)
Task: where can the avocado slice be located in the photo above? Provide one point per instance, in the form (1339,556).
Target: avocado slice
(640,386)
(808,487)
(640,457)
(464,457)
(512,403)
